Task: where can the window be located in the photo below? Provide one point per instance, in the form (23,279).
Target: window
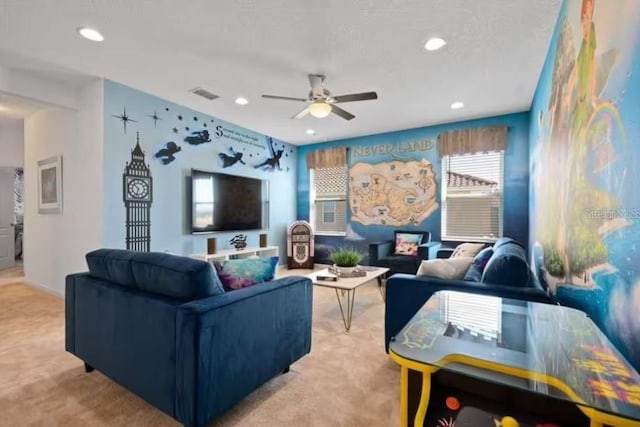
(329,200)
(472,196)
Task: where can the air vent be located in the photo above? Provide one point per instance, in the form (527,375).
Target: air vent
(204,93)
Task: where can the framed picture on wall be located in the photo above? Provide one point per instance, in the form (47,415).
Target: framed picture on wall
(50,185)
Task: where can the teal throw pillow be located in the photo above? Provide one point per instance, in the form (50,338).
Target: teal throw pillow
(407,243)
(241,273)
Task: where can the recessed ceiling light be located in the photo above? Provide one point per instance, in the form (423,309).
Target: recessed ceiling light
(2,107)
(434,43)
(311,132)
(457,105)
(242,101)
(90,34)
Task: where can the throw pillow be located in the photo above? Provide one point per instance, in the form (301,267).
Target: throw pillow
(451,268)
(482,258)
(467,250)
(241,273)
(407,243)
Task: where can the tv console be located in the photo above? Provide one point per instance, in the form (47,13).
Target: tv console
(227,254)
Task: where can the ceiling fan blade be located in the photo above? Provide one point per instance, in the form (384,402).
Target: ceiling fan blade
(316,80)
(342,113)
(364,96)
(301,114)
(286,98)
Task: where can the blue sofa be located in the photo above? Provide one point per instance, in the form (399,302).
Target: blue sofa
(163,327)
(506,274)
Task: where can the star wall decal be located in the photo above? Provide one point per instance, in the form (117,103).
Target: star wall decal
(187,128)
(166,108)
(175,130)
(179,117)
(124,118)
(155,117)
(204,124)
(195,119)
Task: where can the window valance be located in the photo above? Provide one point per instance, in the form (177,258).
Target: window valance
(469,141)
(327,158)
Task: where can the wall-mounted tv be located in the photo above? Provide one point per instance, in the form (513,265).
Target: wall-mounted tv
(223,202)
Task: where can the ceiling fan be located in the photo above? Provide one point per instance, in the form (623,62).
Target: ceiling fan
(322,102)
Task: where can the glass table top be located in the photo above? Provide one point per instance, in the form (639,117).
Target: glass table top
(546,349)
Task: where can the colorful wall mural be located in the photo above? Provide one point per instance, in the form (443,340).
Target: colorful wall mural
(585,204)
(152,144)
(376,159)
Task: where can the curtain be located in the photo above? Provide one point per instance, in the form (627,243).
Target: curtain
(329,158)
(469,141)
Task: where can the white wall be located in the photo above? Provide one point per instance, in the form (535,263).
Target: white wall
(55,244)
(11,142)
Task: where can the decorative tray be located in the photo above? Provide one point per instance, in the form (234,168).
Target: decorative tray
(356,273)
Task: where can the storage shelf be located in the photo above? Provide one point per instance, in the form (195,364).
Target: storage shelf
(227,254)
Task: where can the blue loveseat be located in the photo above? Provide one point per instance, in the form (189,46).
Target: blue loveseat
(506,274)
(163,327)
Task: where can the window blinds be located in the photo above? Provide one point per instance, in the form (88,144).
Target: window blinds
(472,207)
(330,199)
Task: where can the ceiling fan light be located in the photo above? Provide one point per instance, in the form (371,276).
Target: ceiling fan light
(320,109)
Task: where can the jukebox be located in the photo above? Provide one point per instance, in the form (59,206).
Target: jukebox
(300,245)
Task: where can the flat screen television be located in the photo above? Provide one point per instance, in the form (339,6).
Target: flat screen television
(223,202)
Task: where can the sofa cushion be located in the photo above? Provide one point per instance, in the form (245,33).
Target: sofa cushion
(480,261)
(407,243)
(508,266)
(504,240)
(467,250)
(112,265)
(241,273)
(452,268)
(174,276)
(473,274)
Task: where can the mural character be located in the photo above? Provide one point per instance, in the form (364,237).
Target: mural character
(584,171)
(198,137)
(273,162)
(232,159)
(166,154)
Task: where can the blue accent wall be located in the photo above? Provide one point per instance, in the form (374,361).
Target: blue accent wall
(585,204)
(399,145)
(170,210)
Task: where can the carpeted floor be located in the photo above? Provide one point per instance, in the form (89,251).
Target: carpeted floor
(346,380)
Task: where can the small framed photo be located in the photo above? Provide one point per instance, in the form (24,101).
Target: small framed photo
(50,185)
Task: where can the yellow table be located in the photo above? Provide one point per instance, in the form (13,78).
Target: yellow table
(557,351)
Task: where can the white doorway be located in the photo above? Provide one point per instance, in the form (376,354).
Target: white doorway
(7,218)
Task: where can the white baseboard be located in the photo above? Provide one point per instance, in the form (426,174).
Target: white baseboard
(46,289)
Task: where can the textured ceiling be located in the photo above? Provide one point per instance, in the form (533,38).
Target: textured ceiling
(495,51)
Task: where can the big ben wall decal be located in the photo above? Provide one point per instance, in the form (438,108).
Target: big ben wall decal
(137,194)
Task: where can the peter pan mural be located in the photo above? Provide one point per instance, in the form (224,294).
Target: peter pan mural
(586,166)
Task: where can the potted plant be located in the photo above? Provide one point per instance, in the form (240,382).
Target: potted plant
(346,260)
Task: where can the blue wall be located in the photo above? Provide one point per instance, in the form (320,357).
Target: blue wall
(361,149)
(170,213)
(585,204)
